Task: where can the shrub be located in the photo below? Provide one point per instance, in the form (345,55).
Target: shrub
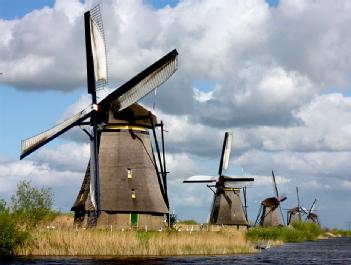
(172,220)
(11,235)
(31,205)
(299,232)
(188,222)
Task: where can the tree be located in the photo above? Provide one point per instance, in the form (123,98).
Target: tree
(31,205)
(11,235)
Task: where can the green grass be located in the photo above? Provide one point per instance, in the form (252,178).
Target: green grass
(299,232)
(187,222)
(338,232)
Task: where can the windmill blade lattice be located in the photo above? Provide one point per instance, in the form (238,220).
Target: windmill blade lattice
(200,179)
(33,143)
(298,198)
(142,84)
(275,188)
(313,206)
(227,147)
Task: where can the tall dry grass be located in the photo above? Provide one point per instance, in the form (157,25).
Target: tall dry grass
(103,242)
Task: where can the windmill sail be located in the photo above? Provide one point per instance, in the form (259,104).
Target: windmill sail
(200,179)
(31,144)
(238,182)
(99,53)
(313,207)
(142,84)
(275,189)
(227,146)
(95,50)
(298,198)
(146,81)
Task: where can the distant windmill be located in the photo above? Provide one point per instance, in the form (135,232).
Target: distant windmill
(294,214)
(227,207)
(270,213)
(123,184)
(311,215)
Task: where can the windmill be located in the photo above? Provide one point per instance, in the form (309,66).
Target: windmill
(270,213)
(294,214)
(227,207)
(311,215)
(124,184)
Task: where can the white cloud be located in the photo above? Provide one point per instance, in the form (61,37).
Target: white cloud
(69,156)
(63,182)
(202,96)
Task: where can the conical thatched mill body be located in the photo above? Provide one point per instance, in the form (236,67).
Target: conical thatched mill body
(270,213)
(132,191)
(311,215)
(123,185)
(227,207)
(295,214)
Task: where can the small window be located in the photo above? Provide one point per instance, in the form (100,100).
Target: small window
(133,194)
(130,173)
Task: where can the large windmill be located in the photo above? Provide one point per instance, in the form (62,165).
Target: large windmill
(294,214)
(123,183)
(227,207)
(270,213)
(311,215)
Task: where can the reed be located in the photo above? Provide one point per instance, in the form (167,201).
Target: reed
(334,232)
(96,242)
(298,232)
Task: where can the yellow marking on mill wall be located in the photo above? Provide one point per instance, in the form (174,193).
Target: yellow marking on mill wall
(125,127)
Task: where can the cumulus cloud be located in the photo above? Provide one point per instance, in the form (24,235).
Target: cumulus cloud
(267,62)
(42,173)
(70,156)
(256,97)
(43,50)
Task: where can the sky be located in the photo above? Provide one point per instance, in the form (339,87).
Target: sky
(276,74)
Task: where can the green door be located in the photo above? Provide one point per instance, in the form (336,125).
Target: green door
(134,219)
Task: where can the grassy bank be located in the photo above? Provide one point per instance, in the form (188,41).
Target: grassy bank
(299,232)
(104,242)
(337,233)
(30,227)
(58,238)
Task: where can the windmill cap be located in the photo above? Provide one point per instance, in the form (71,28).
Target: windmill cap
(271,202)
(134,114)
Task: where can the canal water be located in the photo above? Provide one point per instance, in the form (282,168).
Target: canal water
(329,251)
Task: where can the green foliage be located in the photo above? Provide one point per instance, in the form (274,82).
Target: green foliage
(11,235)
(173,219)
(299,232)
(338,232)
(310,230)
(144,237)
(188,222)
(31,205)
